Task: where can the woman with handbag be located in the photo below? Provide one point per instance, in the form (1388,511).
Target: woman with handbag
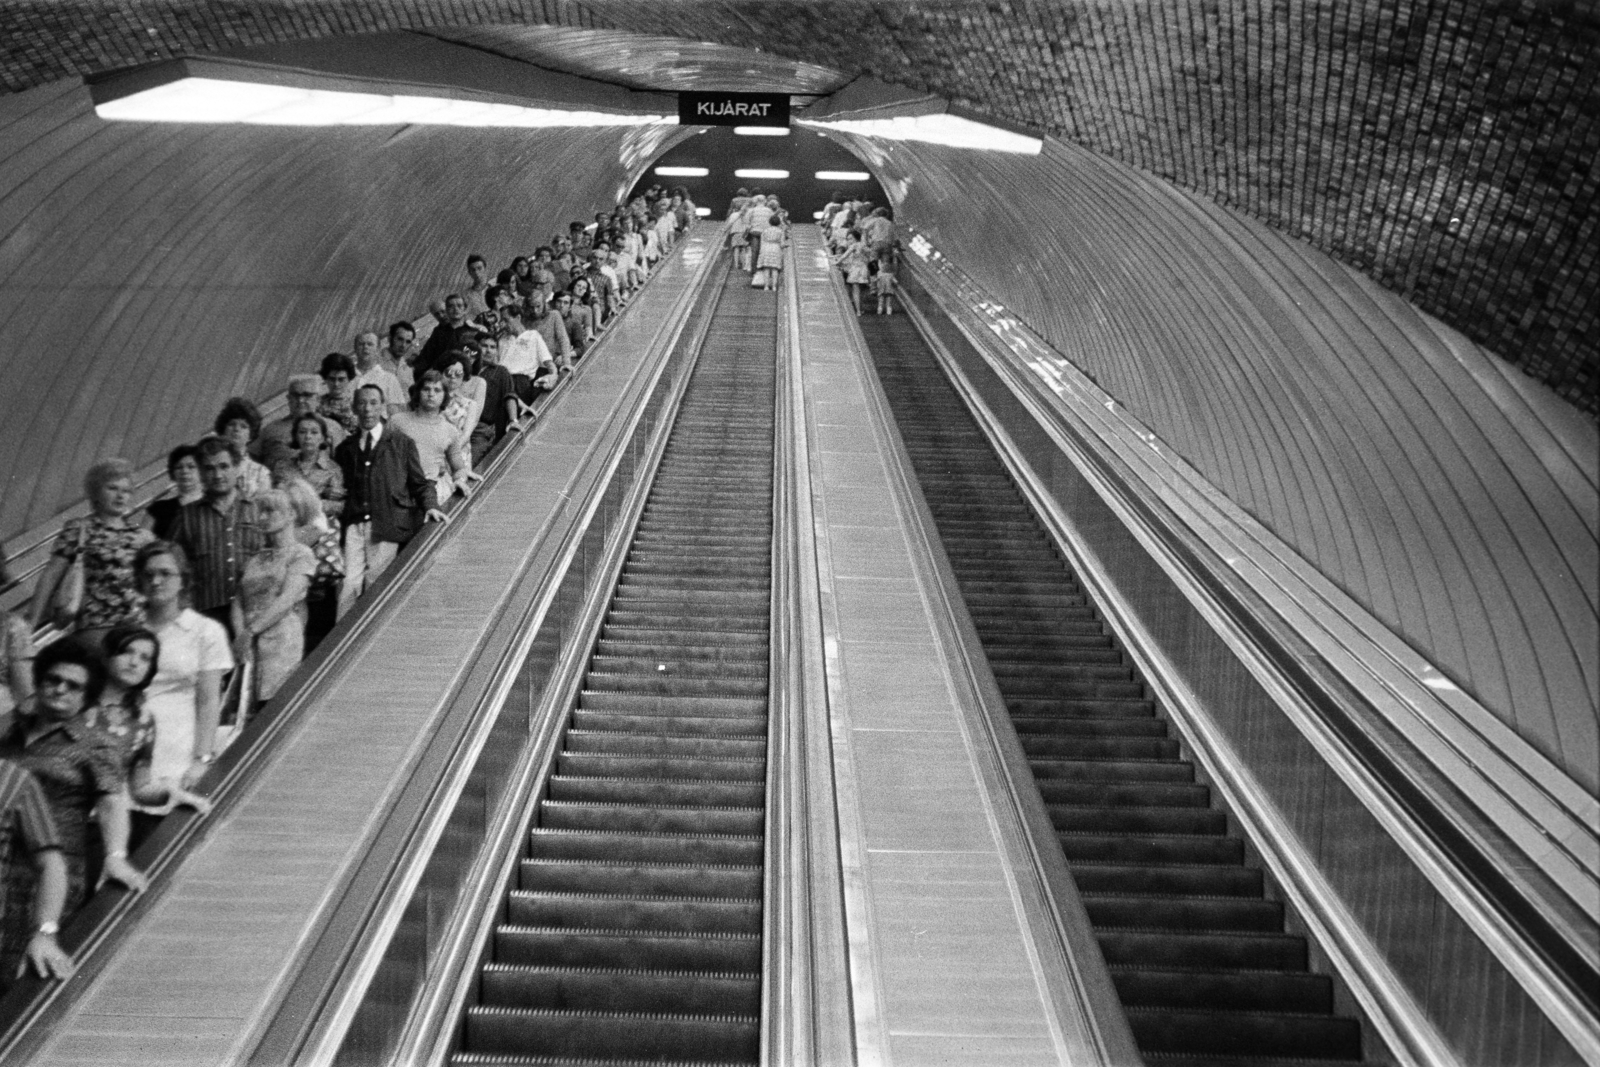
(88,585)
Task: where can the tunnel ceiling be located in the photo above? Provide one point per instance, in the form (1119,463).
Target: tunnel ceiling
(1446,149)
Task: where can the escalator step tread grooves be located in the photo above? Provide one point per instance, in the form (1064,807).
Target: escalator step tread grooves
(1209,977)
(654,816)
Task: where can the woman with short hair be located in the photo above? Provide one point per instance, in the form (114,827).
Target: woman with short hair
(108,539)
(183,470)
(239,422)
(309,437)
(184,698)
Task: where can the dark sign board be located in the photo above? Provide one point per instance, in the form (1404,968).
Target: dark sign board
(733,109)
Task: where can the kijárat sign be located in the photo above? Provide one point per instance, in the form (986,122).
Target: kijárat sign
(733,109)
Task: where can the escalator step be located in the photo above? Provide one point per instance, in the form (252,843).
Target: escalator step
(611,911)
(656,879)
(620,990)
(713,1038)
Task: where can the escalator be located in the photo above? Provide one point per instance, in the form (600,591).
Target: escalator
(1198,953)
(633,931)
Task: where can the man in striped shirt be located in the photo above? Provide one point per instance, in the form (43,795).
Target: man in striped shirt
(26,827)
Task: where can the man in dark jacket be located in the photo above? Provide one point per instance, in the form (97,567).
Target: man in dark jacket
(386,492)
(453,331)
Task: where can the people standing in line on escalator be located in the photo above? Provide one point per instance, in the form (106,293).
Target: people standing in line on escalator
(371,371)
(217,533)
(29,830)
(132,656)
(399,352)
(338,374)
(477,283)
(524,353)
(183,470)
(76,765)
(603,286)
(544,277)
(501,410)
(316,531)
(877,232)
(773,241)
(445,458)
(106,540)
(579,241)
(270,612)
(274,445)
(574,308)
(522,276)
(312,462)
(453,332)
(553,328)
(184,698)
(16,653)
(853,261)
(629,249)
(464,392)
(387,496)
(239,422)
(756,216)
(883,282)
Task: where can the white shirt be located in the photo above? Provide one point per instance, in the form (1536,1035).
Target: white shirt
(525,353)
(393,393)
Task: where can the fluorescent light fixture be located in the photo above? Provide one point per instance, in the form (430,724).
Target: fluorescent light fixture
(703,212)
(944,128)
(682,172)
(758,173)
(761,131)
(816,215)
(842,176)
(218,100)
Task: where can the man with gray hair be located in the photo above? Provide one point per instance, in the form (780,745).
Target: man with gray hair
(369,371)
(275,444)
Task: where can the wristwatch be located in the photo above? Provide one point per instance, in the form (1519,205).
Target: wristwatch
(49,929)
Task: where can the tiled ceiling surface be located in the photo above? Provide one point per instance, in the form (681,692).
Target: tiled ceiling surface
(1446,148)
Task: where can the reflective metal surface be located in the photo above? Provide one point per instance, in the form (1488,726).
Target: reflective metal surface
(641,61)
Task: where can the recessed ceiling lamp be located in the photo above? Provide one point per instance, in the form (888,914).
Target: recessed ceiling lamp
(761,131)
(703,212)
(943,128)
(758,173)
(842,176)
(682,172)
(214,100)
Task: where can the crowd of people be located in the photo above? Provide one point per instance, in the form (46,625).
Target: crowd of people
(270,532)
(859,236)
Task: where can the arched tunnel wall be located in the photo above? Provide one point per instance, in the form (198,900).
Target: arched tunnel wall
(1451,496)
(149,272)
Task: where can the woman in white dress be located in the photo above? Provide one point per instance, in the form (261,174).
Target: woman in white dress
(185,696)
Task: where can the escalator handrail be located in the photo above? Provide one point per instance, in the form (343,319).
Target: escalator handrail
(1463,852)
(806,1015)
(92,934)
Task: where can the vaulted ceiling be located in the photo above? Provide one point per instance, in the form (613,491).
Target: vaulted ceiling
(1446,148)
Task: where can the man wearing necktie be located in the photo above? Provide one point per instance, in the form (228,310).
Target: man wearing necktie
(386,492)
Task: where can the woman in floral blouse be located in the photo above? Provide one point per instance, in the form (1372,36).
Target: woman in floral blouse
(109,540)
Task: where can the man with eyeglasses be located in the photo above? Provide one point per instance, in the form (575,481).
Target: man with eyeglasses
(274,446)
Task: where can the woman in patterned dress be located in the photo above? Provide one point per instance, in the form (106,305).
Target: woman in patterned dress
(108,539)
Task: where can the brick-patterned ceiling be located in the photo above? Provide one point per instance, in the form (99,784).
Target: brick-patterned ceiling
(1446,148)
